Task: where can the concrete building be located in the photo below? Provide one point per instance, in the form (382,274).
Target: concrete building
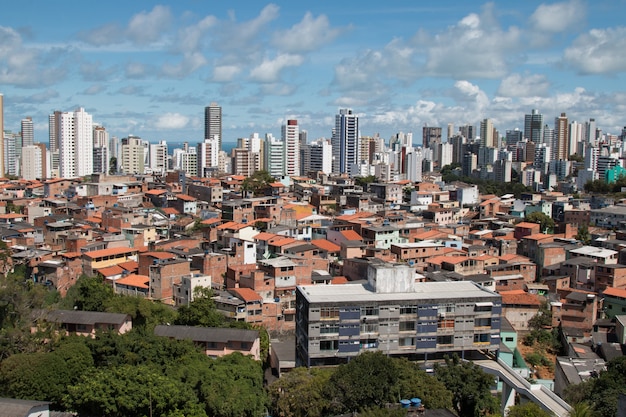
(74,136)
(345,142)
(291,145)
(393,314)
(132,155)
(213,123)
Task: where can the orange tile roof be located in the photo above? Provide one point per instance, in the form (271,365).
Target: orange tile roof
(111,271)
(527,224)
(339,280)
(185,197)
(170,210)
(282,242)
(238,177)
(326,245)
(134,280)
(351,235)
(265,236)
(427,234)
(615,292)
(485,257)
(108,252)
(246,294)
(232,226)
(129,266)
(11,216)
(211,221)
(355,216)
(454,259)
(538,236)
(155,192)
(277,185)
(523,298)
(72,255)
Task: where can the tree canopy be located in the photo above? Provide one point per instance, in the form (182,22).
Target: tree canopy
(546,223)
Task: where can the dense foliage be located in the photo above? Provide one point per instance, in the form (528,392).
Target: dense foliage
(546,223)
(486,186)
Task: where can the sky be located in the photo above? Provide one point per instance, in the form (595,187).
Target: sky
(148,69)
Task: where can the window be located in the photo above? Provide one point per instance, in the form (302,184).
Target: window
(369,328)
(445,308)
(443,323)
(408,310)
(329,329)
(329,313)
(444,340)
(406,341)
(482,338)
(369,311)
(508,339)
(329,345)
(406,326)
(486,322)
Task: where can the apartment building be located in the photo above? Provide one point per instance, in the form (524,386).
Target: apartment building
(396,315)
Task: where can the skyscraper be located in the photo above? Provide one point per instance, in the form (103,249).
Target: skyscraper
(213,123)
(533,126)
(74,136)
(54,121)
(291,139)
(2,135)
(101,155)
(561,137)
(28,134)
(487,134)
(345,142)
(431,137)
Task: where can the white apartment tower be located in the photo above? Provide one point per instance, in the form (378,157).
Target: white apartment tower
(101,156)
(487,139)
(32,158)
(274,159)
(158,157)
(319,157)
(291,140)
(345,142)
(74,137)
(2,134)
(208,156)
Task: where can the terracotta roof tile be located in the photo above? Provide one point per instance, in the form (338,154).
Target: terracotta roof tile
(351,235)
(109,252)
(246,294)
(326,245)
(134,280)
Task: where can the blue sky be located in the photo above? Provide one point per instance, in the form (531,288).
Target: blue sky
(148,69)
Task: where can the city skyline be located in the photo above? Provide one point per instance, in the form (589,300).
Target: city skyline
(150,70)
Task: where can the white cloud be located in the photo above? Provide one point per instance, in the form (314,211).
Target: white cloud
(476,47)
(135,70)
(29,67)
(145,28)
(94,89)
(307,35)
(277,89)
(518,85)
(558,17)
(171,121)
(190,63)
(225,73)
(245,36)
(104,35)
(269,70)
(601,51)
(190,37)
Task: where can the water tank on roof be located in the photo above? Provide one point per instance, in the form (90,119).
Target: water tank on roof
(405,403)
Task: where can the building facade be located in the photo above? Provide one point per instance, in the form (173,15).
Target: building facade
(395,315)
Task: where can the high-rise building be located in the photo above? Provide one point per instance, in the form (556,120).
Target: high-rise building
(291,140)
(158,157)
(575,137)
(32,162)
(487,139)
(533,126)
(319,157)
(101,156)
(208,156)
(450,131)
(213,123)
(132,155)
(274,160)
(28,133)
(345,142)
(469,132)
(73,134)
(561,138)
(2,135)
(54,122)
(431,137)
(590,131)
(9,151)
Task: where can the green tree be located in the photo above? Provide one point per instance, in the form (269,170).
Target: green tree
(368,380)
(301,393)
(470,386)
(546,222)
(88,294)
(582,410)
(414,382)
(146,314)
(234,387)
(113,166)
(45,375)
(583,234)
(257,182)
(365,181)
(128,391)
(201,311)
(528,409)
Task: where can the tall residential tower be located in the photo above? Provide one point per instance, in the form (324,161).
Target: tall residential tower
(213,123)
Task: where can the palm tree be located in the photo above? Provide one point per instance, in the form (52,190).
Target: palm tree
(582,410)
